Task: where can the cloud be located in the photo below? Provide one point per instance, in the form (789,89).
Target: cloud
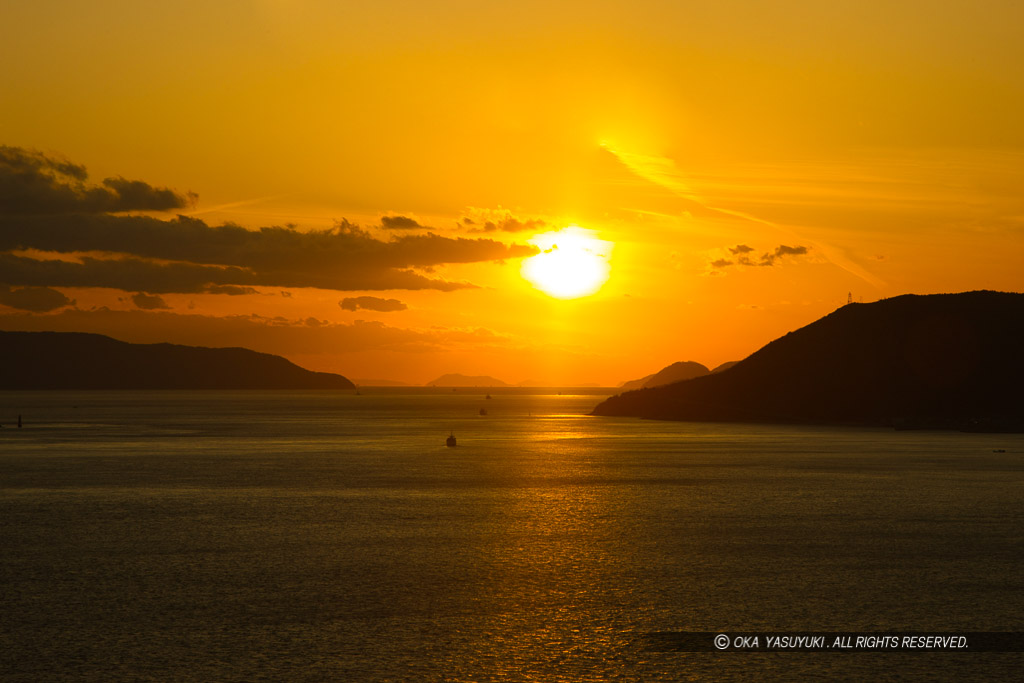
(135,274)
(499,220)
(512,225)
(32,183)
(268,334)
(187,255)
(399,223)
(35,299)
(130,274)
(231,290)
(371,303)
(46,207)
(780,251)
(149,302)
(769,258)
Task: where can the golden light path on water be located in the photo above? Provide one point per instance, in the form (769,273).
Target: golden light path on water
(334,536)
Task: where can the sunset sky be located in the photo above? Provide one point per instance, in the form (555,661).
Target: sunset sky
(355,186)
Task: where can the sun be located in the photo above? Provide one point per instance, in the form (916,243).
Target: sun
(573,263)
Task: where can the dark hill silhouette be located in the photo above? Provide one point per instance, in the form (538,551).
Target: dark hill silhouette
(634,384)
(946,360)
(71,360)
(676,372)
(724,366)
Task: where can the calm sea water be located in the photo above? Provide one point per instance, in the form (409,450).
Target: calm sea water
(175,536)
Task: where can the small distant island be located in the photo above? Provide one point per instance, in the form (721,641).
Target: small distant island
(943,361)
(70,360)
(454,379)
(677,372)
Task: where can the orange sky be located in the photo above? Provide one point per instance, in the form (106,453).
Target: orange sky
(748,163)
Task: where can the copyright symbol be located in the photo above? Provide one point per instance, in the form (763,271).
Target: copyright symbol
(721,641)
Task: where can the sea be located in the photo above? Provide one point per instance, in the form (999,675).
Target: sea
(332,536)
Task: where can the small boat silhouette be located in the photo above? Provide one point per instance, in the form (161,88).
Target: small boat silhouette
(483,411)
(488,396)
(450,441)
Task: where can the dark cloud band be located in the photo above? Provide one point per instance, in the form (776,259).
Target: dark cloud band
(135,274)
(35,299)
(371,303)
(32,183)
(46,206)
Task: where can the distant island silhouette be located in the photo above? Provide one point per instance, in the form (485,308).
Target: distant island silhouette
(724,366)
(946,361)
(72,360)
(676,372)
(454,379)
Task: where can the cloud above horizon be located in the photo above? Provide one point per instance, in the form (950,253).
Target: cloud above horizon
(149,302)
(372,303)
(34,299)
(33,183)
(400,223)
(76,237)
(499,220)
(740,256)
(780,251)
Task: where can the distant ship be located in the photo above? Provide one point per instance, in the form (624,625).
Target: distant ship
(483,411)
(487,396)
(450,441)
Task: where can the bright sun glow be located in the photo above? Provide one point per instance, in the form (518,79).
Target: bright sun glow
(572,263)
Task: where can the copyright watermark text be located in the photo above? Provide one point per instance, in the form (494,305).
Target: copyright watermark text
(683,641)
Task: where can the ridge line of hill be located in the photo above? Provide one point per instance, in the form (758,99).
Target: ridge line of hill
(79,360)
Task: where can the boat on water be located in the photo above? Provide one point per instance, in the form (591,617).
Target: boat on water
(450,441)
(483,411)
(488,396)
